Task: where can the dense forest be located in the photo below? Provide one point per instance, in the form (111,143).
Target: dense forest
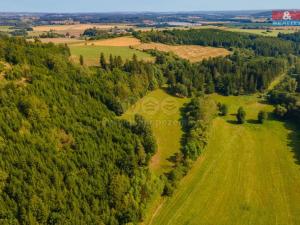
(295,37)
(64,157)
(239,73)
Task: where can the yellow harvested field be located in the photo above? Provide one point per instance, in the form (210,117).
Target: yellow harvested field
(77,27)
(193,53)
(118,42)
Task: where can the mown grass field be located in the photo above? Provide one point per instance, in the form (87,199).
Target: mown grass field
(118,42)
(248,175)
(91,54)
(193,53)
(163,112)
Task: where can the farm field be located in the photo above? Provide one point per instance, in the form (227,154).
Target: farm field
(127,46)
(91,54)
(76,29)
(119,41)
(163,112)
(249,174)
(60,40)
(194,53)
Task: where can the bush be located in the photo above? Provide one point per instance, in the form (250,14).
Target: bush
(223,109)
(241,115)
(262,116)
(168,189)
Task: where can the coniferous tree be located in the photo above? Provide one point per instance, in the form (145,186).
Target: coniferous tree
(81,60)
(103,63)
(241,115)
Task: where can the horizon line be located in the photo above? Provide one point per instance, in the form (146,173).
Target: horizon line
(141,11)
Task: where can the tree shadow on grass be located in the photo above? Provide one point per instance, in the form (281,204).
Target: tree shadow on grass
(294,139)
(235,122)
(264,101)
(253,121)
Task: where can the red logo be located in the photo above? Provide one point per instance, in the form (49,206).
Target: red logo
(286,15)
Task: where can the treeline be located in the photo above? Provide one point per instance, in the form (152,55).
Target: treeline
(197,117)
(286,98)
(98,34)
(265,46)
(64,157)
(286,94)
(240,73)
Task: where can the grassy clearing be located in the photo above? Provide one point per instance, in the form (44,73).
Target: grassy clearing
(61,40)
(163,112)
(247,175)
(91,54)
(5,28)
(194,53)
(119,41)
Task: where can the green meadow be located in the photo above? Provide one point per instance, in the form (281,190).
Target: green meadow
(163,112)
(91,54)
(248,175)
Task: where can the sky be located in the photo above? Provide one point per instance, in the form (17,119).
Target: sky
(142,5)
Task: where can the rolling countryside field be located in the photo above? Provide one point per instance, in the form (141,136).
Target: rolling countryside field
(163,112)
(193,53)
(118,42)
(248,174)
(5,28)
(75,29)
(91,54)
(127,46)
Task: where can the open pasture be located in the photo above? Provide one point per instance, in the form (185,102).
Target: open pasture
(248,174)
(91,54)
(117,42)
(163,112)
